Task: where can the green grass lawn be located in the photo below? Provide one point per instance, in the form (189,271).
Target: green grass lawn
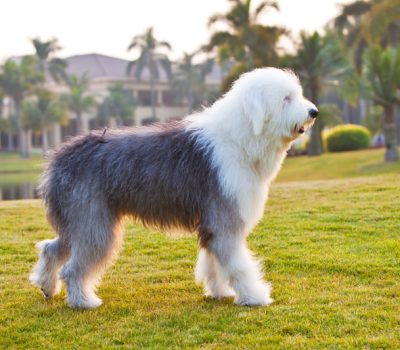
(11,163)
(337,166)
(327,166)
(330,247)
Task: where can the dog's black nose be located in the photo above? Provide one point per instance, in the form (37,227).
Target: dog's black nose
(313,112)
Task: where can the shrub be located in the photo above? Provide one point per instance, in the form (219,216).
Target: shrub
(347,137)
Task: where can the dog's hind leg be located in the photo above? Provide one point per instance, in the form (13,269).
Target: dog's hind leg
(241,270)
(209,272)
(93,250)
(53,254)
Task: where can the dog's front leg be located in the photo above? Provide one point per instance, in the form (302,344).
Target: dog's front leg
(209,272)
(241,270)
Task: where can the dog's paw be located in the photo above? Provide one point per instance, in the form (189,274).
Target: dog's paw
(252,301)
(223,292)
(84,303)
(259,296)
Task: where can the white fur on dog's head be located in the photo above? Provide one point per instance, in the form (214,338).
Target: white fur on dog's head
(273,99)
(266,104)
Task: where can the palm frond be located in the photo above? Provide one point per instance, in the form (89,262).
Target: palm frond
(263,6)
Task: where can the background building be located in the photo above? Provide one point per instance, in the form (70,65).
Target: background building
(104,72)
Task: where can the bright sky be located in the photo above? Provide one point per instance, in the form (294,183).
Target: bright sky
(107,26)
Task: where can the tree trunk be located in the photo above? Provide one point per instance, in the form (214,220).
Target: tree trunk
(389,130)
(79,124)
(112,123)
(26,143)
(28,149)
(250,60)
(315,144)
(397,114)
(10,143)
(45,141)
(152,95)
(20,132)
(55,136)
(190,100)
(315,147)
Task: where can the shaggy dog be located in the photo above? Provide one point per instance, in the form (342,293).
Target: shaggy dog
(209,173)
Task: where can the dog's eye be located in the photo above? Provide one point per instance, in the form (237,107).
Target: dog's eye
(287,99)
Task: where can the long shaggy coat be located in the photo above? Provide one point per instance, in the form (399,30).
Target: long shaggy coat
(208,174)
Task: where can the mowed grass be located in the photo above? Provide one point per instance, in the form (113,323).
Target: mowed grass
(327,166)
(331,248)
(337,166)
(12,163)
(14,170)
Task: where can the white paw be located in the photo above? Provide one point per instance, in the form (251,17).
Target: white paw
(253,301)
(84,303)
(223,292)
(49,287)
(259,296)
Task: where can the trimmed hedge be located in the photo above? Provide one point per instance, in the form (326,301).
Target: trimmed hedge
(347,137)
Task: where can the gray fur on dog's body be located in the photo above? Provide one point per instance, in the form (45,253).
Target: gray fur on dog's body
(160,175)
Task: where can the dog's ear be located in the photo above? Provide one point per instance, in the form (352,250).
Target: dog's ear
(255,111)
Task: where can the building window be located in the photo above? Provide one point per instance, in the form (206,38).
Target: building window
(144,97)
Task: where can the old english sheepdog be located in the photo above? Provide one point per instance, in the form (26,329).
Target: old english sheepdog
(209,174)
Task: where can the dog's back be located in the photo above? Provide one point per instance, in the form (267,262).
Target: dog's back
(160,175)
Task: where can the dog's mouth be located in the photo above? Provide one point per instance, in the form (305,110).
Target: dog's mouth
(299,129)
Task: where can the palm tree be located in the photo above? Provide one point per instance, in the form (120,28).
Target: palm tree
(78,101)
(368,23)
(119,105)
(382,73)
(349,26)
(319,62)
(18,81)
(245,40)
(381,25)
(151,59)
(189,80)
(48,65)
(39,114)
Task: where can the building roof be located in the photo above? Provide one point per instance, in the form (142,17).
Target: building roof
(98,66)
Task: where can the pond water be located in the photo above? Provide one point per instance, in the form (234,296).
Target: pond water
(22,189)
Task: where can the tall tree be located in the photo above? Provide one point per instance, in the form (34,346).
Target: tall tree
(18,80)
(40,113)
(50,67)
(349,26)
(78,100)
(319,62)
(245,40)
(47,63)
(369,23)
(381,25)
(382,73)
(151,59)
(118,106)
(2,97)
(189,80)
